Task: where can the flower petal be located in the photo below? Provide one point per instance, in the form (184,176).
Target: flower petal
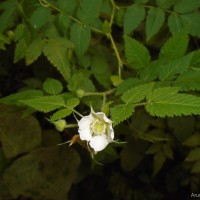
(98,143)
(84,127)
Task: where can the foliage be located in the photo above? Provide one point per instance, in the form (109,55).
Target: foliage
(137,61)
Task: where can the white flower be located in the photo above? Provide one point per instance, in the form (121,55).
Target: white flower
(97,129)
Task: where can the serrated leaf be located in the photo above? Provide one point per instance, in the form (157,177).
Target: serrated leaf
(166,102)
(194,155)
(134,15)
(73,102)
(14,98)
(34,50)
(67,6)
(165,4)
(20,50)
(191,21)
(137,94)
(121,112)
(175,23)
(61,114)
(52,86)
(185,6)
(127,84)
(175,46)
(45,104)
(40,16)
(159,160)
(155,20)
(178,66)
(136,53)
(188,81)
(81,36)
(56,50)
(89,10)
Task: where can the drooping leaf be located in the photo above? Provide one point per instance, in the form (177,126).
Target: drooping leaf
(165,4)
(175,46)
(45,104)
(14,98)
(193,140)
(81,36)
(155,20)
(67,6)
(34,50)
(18,135)
(136,53)
(167,102)
(185,6)
(137,94)
(56,51)
(134,15)
(178,66)
(158,162)
(24,177)
(40,16)
(52,86)
(20,50)
(121,112)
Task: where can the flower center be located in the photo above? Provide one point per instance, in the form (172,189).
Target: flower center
(98,127)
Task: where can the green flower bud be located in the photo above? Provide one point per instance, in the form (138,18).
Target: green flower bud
(80,93)
(60,124)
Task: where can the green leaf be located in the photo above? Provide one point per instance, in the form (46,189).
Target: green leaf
(191,21)
(141,1)
(40,16)
(155,20)
(62,113)
(168,151)
(194,155)
(121,112)
(24,178)
(188,81)
(45,104)
(185,6)
(73,102)
(20,50)
(158,162)
(52,86)
(80,82)
(136,53)
(175,23)
(101,70)
(127,84)
(154,148)
(89,10)
(167,102)
(81,36)
(34,50)
(8,16)
(165,4)
(178,66)
(135,12)
(19,135)
(193,141)
(14,98)
(175,46)
(56,51)
(137,94)
(196,167)
(68,6)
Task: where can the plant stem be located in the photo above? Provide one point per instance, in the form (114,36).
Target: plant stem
(108,92)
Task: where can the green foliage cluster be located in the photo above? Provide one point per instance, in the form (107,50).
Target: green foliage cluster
(137,61)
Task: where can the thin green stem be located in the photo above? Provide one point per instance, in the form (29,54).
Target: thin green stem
(71,125)
(108,92)
(140,104)
(103,102)
(74,111)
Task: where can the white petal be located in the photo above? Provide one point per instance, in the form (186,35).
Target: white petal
(84,127)
(98,143)
(103,116)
